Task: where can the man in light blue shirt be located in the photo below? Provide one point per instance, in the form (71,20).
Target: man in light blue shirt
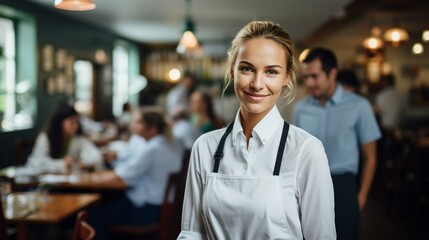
(346,125)
(145,173)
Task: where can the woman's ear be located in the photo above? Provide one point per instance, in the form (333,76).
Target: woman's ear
(286,79)
(231,73)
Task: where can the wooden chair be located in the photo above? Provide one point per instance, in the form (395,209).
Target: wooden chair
(3,229)
(167,227)
(82,229)
(23,150)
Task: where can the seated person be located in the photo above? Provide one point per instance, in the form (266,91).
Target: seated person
(114,156)
(125,120)
(146,175)
(62,144)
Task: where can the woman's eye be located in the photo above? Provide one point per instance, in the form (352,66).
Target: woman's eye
(271,72)
(245,69)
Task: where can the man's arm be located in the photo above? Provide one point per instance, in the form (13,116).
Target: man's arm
(369,151)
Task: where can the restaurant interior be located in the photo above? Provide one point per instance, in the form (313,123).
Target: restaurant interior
(99,56)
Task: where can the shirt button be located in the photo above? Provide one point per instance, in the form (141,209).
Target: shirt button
(264,140)
(245,167)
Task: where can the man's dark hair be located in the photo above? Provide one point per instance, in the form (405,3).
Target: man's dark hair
(389,79)
(154,119)
(348,78)
(326,57)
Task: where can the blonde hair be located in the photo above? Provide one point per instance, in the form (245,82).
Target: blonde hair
(267,30)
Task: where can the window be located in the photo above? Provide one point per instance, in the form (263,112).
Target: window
(18,69)
(84,86)
(13,95)
(7,72)
(125,72)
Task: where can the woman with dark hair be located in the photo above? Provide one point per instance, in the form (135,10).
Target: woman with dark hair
(202,112)
(62,144)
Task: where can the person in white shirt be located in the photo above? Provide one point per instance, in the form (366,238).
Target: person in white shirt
(178,97)
(146,175)
(61,145)
(261,178)
(389,104)
(184,131)
(119,152)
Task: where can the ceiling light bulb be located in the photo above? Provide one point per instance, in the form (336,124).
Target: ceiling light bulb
(425,36)
(418,48)
(372,43)
(188,42)
(174,74)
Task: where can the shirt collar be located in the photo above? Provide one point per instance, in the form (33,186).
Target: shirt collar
(334,100)
(264,130)
(338,94)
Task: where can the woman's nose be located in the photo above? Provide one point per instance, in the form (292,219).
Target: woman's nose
(257,82)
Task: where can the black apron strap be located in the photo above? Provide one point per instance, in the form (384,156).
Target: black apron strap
(219,151)
(281,149)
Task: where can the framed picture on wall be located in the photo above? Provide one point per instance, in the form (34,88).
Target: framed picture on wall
(47,58)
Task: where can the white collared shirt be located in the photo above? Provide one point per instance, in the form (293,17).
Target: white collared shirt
(80,148)
(307,186)
(146,172)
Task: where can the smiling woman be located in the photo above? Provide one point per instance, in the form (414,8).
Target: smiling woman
(245,182)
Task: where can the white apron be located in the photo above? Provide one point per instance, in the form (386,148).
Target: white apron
(245,207)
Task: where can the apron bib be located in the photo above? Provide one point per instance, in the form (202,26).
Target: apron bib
(245,207)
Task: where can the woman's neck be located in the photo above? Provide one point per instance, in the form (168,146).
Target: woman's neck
(249,120)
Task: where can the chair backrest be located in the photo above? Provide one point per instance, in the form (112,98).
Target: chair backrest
(3,231)
(82,229)
(185,164)
(169,223)
(23,150)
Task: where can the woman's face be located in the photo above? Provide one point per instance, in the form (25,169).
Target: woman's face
(195,103)
(259,75)
(137,125)
(71,125)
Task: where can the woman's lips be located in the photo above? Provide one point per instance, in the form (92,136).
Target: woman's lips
(255,96)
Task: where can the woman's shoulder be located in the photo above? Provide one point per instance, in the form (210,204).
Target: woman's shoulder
(300,137)
(210,138)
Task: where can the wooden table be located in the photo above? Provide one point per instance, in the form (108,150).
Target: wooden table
(93,181)
(83,181)
(49,209)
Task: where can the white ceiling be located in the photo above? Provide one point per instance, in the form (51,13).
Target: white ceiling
(162,21)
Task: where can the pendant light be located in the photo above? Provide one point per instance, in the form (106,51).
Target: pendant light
(396,35)
(75,5)
(425,35)
(188,43)
(373,43)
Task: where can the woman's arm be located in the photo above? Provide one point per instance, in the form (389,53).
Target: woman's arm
(315,192)
(86,151)
(40,157)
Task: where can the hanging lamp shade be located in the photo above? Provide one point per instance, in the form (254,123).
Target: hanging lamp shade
(188,42)
(372,43)
(75,5)
(396,36)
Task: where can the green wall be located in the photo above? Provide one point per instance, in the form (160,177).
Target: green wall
(77,38)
